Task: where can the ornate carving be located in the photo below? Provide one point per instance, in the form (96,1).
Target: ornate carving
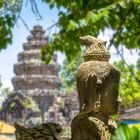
(96,49)
(97,85)
(46,131)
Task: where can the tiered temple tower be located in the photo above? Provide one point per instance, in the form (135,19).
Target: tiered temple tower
(34,80)
(32,75)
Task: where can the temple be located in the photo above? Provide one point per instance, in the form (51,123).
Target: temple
(36,93)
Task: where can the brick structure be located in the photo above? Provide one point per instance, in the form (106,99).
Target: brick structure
(35,83)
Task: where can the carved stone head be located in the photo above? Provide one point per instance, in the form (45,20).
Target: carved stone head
(97,79)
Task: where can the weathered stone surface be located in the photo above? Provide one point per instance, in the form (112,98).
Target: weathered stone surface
(33,81)
(33,46)
(97,86)
(18,107)
(36,80)
(46,131)
(31,54)
(71,106)
(29,69)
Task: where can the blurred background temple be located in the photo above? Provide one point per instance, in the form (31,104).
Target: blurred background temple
(37,95)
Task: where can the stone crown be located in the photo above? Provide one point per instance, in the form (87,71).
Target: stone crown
(95,49)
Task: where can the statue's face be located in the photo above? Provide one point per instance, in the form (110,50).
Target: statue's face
(109,98)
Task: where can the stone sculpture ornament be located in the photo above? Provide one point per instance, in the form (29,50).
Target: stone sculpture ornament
(97,86)
(96,49)
(46,131)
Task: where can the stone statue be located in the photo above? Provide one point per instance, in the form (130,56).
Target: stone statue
(46,131)
(97,85)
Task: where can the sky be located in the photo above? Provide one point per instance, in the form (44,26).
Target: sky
(8,57)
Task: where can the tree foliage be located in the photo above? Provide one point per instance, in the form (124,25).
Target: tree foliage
(82,17)
(124,132)
(9,10)
(78,18)
(68,73)
(129,83)
(4,92)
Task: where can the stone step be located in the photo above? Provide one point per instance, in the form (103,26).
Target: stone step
(29,54)
(36,81)
(36,68)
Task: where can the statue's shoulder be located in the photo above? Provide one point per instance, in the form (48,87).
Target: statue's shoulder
(83,128)
(82,121)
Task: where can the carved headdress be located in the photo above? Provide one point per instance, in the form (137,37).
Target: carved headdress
(96,49)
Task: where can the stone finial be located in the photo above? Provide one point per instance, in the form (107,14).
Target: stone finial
(37,29)
(96,50)
(46,131)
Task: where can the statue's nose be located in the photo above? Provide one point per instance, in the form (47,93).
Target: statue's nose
(119,100)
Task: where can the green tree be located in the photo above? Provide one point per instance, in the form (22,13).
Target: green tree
(78,18)
(82,17)
(4,91)
(129,83)
(9,11)
(124,132)
(68,73)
